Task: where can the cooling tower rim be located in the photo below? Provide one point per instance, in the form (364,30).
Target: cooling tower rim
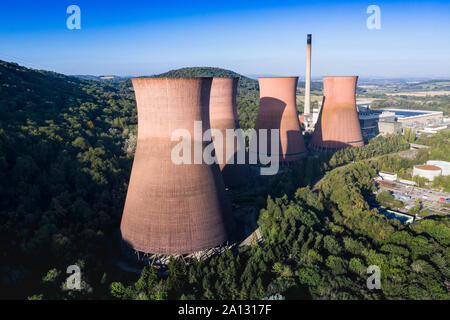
(171,78)
(340,77)
(226,78)
(427,167)
(288,77)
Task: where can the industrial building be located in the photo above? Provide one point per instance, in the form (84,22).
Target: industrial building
(432,129)
(393,121)
(427,171)
(374,122)
(172,208)
(417,118)
(444,165)
(338,124)
(388,176)
(310,121)
(223,116)
(389,127)
(277,110)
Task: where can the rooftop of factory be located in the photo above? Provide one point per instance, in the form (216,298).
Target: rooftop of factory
(427,167)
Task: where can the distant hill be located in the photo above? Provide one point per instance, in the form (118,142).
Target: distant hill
(430,85)
(13,73)
(35,93)
(100,78)
(244,82)
(39,95)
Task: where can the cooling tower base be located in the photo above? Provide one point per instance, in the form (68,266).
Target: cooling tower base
(315,148)
(161,261)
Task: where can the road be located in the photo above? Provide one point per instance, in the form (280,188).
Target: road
(411,153)
(429,198)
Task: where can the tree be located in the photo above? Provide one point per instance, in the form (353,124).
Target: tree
(117,290)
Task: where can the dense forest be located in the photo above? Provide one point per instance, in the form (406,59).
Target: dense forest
(319,243)
(63,173)
(66,148)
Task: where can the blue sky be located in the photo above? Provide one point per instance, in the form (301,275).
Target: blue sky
(250,37)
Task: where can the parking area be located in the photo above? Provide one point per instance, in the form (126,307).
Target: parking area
(409,195)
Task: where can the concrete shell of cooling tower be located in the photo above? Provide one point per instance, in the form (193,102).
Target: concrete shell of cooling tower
(223,116)
(338,123)
(277,110)
(173,209)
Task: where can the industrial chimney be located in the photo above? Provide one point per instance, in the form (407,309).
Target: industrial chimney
(277,110)
(338,124)
(173,208)
(223,116)
(307,109)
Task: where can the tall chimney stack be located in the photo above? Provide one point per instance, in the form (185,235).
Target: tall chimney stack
(307,110)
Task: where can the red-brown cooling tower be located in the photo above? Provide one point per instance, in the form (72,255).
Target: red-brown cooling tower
(223,116)
(338,123)
(170,208)
(277,110)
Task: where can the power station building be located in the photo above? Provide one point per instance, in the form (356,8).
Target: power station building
(427,171)
(394,121)
(374,122)
(170,208)
(338,123)
(444,165)
(277,110)
(223,116)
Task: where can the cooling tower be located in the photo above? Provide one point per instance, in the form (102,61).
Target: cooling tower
(223,116)
(338,124)
(173,208)
(277,110)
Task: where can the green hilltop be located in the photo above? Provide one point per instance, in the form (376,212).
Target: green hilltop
(248,90)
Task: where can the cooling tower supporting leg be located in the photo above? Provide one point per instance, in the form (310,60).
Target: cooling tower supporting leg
(161,261)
